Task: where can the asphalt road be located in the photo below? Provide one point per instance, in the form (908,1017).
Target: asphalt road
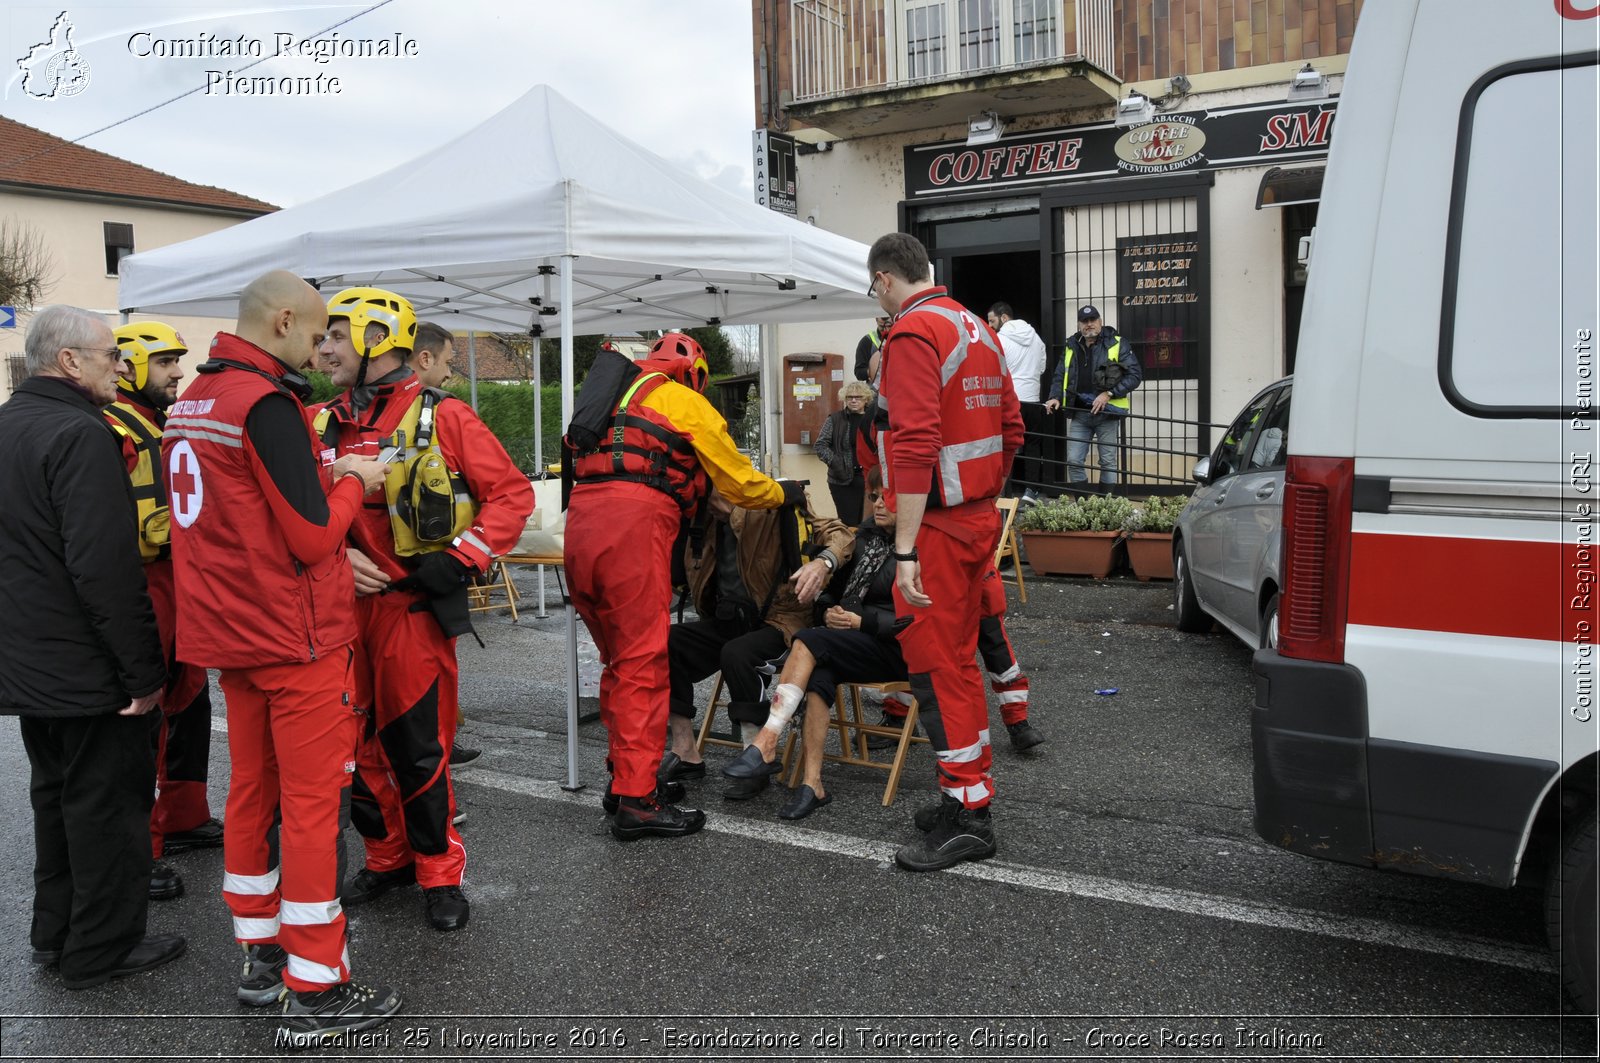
(1131,911)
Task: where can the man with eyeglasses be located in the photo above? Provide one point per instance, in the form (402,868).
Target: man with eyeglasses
(953,426)
(80,658)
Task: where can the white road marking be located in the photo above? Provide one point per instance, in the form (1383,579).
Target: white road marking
(1360,929)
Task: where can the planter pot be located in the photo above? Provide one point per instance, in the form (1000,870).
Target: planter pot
(1150,554)
(1071,553)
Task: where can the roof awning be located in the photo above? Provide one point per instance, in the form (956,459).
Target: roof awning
(1284,186)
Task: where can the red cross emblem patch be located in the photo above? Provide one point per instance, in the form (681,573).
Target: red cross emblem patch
(185,489)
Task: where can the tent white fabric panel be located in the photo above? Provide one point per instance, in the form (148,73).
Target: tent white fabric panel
(473,232)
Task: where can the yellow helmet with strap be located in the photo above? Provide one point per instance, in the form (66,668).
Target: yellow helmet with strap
(138,341)
(375,306)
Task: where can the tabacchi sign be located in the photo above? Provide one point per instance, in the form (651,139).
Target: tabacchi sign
(1234,136)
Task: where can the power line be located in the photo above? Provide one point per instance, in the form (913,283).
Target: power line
(182,95)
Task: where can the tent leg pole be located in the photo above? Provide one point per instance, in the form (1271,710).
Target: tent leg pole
(543,613)
(572,616)
(572,701)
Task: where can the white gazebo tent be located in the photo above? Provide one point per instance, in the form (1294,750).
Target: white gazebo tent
(540,220)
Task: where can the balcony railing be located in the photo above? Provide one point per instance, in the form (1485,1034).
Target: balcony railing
(844,46)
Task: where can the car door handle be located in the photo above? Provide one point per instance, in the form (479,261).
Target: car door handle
(1266,492)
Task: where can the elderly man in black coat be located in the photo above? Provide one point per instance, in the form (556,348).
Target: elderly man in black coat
(80,660)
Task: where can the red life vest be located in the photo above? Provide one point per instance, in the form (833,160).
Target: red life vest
(243,599)
(971,463)
(645,448)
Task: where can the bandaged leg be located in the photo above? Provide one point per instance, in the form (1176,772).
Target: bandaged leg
(785,699)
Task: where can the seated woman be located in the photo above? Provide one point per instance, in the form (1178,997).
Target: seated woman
(857,645)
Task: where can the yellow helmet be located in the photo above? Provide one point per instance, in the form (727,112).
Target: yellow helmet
(374,306)
(139,340)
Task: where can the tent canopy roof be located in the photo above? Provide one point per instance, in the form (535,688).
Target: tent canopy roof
(653,245)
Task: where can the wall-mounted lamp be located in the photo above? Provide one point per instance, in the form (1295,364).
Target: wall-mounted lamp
(1135,109)
(985,128)
(1308,84)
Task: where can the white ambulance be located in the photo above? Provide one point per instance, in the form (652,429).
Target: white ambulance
(1431,704)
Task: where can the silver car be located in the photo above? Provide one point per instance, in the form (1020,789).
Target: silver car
(1225,549)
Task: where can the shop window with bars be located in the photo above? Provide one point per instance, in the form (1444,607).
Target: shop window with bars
(16,370)
(1142,262)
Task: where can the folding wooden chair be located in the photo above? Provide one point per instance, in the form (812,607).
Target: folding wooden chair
(708,737)
(853,731)
(1008,543)
(480,595)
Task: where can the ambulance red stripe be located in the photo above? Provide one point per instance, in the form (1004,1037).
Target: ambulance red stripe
(1503,587)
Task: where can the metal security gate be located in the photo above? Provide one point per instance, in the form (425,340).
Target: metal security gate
(1139,250)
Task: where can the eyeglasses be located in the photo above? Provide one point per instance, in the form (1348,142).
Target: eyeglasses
(872,289)
(114,353)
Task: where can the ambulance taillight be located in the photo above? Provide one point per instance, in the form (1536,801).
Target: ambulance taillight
(1316,558)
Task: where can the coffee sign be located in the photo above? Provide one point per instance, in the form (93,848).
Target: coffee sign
(1250,135)
(1161,147)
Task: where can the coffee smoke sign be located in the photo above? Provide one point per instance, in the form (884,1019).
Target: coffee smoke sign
(1203,140)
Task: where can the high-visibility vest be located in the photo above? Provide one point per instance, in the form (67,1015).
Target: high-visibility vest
(645,448)
(244,600)
(429,503)
(1112,355)
(149,486)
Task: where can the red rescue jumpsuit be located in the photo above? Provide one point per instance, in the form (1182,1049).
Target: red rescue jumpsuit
(1006,677)
(954,425)
(265,594)
(405,666)
(619,537)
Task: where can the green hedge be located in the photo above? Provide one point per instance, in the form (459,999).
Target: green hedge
(506,408)
(508,411)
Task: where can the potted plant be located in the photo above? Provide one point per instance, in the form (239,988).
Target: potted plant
(1148,531)
(1073,536)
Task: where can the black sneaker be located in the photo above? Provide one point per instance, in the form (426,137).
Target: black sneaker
(674,767)
(1024,735)
(369,885)
(639,816)
(463,755)
(888,719)
(310,1018)
(959,834)
(261,983)
(669,793)
(207,835)
(165,882)
(446,906)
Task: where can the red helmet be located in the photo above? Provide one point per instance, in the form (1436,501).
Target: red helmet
(681,358)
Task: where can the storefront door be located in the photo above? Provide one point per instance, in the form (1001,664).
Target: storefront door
(1139,251)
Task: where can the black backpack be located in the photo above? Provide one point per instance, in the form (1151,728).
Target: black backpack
(594,410)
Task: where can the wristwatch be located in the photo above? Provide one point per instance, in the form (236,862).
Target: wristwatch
(826,560)
(898,556)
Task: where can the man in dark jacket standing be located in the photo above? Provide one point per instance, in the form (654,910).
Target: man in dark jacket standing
(1098,372)
(80,659)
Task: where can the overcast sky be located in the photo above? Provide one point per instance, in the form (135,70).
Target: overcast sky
(672,75)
